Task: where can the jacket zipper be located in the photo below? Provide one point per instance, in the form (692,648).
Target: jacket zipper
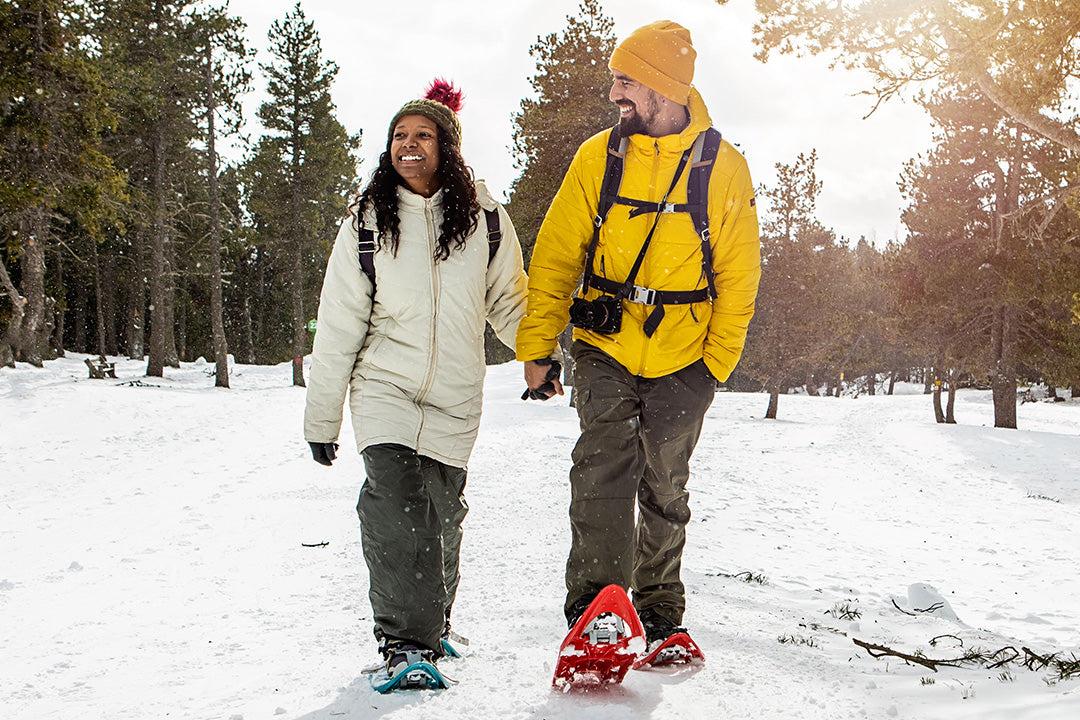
(429,375)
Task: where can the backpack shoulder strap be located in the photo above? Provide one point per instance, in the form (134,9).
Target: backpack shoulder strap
(366,247)
(613,172)
(697,197)
(494,232)
(609,191)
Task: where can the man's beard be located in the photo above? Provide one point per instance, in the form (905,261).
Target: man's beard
(639,122)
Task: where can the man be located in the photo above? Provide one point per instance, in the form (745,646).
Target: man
(685,300)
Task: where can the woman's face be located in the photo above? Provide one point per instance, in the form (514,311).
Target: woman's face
(414,151)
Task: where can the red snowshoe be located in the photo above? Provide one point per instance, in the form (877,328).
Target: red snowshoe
(602,645)
(673,650)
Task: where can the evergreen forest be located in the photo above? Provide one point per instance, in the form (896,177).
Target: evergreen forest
(126,234)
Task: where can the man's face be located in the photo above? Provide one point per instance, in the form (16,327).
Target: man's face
(639,106)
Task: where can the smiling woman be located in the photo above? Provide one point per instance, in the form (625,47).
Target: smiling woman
(404,338)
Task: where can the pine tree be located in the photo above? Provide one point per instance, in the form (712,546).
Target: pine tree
(571,104)
(803,311)
(53,108)
(990,260)
(301,171)
(149,55)
(226,78)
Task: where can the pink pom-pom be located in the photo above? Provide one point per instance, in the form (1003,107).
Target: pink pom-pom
(442,91)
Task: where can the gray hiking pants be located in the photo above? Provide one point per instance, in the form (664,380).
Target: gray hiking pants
(410,509)
(637,435)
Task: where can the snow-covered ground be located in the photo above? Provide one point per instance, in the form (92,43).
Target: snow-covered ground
(153,560)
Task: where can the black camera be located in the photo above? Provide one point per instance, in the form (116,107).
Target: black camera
(602,315)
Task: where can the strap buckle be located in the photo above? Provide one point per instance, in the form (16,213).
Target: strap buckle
(667,207)
(642,295)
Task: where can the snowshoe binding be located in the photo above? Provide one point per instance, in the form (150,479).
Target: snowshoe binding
(408,667)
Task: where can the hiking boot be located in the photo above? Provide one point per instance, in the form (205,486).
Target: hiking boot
(657,627)
(577,610)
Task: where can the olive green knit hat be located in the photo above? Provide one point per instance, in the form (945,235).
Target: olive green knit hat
(440,104)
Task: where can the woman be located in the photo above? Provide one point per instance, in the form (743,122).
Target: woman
(407,342)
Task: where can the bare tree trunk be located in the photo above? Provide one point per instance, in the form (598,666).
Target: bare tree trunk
(1003,331)
(217,314)
(136,324)
(98,304)
(892,382)
(294,239)
(950,404)
(299,331)
(155,364)
(247,352)
(80,313)
(939,416)
(56,341)
(172,356)
(1003,380)
(774,403)
(31,337)
(9,341)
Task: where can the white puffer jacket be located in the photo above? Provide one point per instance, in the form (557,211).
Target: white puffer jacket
(412,357)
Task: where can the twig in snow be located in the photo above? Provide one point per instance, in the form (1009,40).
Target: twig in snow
(1008,653)
(877,651)
(322,544)
(1034,659)
(902,609)
(934,641)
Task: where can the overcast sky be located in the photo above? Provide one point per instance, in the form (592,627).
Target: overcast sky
(388,51)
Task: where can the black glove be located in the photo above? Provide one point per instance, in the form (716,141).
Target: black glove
(324,453)
(548,388)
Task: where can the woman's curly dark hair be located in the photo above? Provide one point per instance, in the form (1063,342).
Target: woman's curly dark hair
(460,208)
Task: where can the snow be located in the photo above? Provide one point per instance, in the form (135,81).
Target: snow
(152,558)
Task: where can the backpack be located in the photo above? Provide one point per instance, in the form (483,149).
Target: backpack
(367,245)
(702,156)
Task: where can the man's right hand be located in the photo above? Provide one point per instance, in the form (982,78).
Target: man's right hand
(324,452)
(542,379)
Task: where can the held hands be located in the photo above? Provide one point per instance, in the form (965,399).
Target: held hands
(542,378)
(324,452)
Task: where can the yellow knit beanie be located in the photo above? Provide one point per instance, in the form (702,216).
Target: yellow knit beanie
(661,57)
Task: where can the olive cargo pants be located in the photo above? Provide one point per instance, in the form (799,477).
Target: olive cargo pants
(410,509)
(637,435)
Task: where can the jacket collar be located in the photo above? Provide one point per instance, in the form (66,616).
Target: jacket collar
(408,199)
(699,121)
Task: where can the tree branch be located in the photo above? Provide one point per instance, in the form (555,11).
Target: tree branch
(1034,121)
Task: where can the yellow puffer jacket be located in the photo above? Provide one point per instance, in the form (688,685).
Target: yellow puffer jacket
(715,330)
